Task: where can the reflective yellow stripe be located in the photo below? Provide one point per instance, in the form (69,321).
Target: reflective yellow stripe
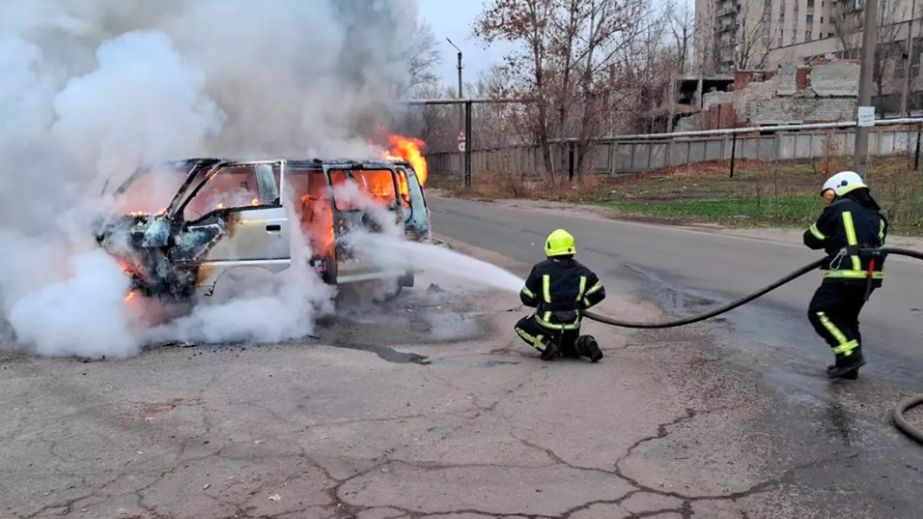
(852,274)
(522,333)
(536,341)
(834,331)
(546,287)
(530,294)
(546,324)
(595,288)
(851,238)
(816,232)
(881,232)
(846,348)
(582,288)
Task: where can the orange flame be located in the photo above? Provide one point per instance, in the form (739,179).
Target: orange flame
(131,296)
(160,212)
(411,150)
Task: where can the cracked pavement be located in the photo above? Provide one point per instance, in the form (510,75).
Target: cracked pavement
(481,429)
(431,407)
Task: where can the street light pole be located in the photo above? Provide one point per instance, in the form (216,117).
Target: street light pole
(866,84)
(464,120)
(460,95)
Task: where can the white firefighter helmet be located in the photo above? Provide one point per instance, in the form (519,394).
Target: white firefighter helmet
(843,182)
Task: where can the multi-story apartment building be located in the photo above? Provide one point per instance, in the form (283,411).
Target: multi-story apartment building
(747,34)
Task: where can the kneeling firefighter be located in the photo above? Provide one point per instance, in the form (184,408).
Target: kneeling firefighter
(560,288)
(850,230)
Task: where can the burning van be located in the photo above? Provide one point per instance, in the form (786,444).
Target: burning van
(181,226)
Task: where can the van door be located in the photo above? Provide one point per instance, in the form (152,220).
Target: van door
(235,218)
(305,187)
(416,223)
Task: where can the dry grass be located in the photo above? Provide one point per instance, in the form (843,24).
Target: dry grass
(782,193)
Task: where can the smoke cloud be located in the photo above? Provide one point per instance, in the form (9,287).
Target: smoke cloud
(93,89)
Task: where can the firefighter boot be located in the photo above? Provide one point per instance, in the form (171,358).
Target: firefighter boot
(586,346)
(551,350)
(847,367)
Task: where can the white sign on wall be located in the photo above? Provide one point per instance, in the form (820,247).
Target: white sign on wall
(866,116)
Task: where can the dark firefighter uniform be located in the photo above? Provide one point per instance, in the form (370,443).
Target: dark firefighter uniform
(560,288)
(848,230)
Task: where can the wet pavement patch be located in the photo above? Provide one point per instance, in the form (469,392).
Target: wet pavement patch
(385,353)
(472,363)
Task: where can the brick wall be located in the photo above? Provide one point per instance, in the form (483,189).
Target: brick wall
(721,115)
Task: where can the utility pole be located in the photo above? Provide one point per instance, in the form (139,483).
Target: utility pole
(866,83)
(464,120)
(460,95)
(908,63)
(461,113)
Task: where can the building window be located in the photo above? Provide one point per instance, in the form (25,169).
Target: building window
(807,36)
(821,19)
(809,19)
(810,4)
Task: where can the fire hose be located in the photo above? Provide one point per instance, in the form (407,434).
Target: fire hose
(897,414)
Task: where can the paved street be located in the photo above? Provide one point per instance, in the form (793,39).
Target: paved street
(431,407)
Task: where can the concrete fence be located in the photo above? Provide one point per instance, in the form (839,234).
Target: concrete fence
(638,154)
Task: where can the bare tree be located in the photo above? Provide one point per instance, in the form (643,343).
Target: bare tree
(528,22)
(680,21)
(705,43)
(611,27)
(752,49)
(568,51)
(847,24)
(421,56)
(889,49)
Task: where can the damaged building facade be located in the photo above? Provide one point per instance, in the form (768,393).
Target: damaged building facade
(824,91)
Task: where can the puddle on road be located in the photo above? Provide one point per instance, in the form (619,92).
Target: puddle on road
(405,326)
(472,363)
(386,353)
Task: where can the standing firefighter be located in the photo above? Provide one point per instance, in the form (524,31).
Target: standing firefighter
(850,230)
(560,288)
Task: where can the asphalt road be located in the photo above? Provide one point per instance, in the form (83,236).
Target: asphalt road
(770,341)
(431,407)
(701,267)
(428,407)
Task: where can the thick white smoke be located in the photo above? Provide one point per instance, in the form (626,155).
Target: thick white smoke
(93,89)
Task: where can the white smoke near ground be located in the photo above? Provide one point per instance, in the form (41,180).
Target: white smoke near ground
(96,282)
(256,306)
(93,89)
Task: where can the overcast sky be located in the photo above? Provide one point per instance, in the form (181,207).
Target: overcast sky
(453,19)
